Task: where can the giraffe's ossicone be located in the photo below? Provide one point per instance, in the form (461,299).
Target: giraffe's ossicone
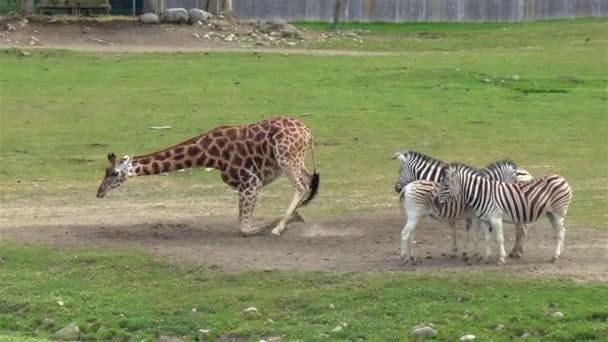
(248,158)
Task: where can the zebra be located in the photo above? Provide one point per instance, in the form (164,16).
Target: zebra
(418,167)
(494,201)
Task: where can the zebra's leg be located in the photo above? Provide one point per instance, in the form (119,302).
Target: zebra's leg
(454,250)
(557,221)
(472,233)
(520,234)
(467,229)
(524,235)
(487,232)
(407,238)
(500,239)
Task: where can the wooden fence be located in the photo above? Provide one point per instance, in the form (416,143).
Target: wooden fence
(414,10)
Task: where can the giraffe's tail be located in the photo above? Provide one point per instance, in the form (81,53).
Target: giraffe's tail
(315,180)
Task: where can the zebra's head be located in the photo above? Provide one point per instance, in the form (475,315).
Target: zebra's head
(415,166)
(400,184)
(115,174)
(452,180)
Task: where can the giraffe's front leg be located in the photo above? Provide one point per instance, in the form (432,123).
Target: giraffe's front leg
(247,198)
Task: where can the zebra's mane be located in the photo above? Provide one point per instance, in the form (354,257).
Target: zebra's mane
(423,157)
(459,167)
(499,164)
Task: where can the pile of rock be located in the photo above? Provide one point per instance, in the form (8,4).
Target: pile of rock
(355,36)
(177,16)
(16,25)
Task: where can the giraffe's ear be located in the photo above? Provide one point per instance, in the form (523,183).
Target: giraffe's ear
(112,158)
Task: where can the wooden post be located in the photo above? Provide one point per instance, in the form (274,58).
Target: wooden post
(337,11)
(27,7)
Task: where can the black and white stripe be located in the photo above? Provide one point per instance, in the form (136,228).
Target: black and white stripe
(418,195)
(417,166)
(520,203)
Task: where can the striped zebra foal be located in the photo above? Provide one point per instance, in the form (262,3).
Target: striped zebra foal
(417,167)
(494,201)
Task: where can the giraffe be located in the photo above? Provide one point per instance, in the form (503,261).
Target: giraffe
(248,157)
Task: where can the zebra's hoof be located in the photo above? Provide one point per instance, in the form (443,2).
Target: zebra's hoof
(515,255)
(554,259)
(409,261)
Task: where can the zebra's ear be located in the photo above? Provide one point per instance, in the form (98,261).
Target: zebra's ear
(400,156)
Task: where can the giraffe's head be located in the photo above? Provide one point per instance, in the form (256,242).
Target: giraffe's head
(116,174)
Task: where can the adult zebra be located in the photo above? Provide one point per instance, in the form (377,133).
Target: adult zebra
(416,167)
(494,201)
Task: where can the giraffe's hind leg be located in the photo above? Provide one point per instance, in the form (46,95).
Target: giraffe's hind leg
(290,157)
(298,196)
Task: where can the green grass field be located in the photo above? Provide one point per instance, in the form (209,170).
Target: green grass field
(125,296)
(535,92)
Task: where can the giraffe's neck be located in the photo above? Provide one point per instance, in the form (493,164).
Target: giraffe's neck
(182,156)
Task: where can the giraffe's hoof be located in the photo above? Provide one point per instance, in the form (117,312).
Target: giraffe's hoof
(245,232)
(554,259)
(501,262)
(275,232)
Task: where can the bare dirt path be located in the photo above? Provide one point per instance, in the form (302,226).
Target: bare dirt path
(347,243)
(131,36)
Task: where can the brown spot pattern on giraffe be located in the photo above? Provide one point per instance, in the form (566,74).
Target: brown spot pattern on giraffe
(238,152)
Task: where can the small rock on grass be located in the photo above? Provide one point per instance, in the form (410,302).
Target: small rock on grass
(500,327)
(203,334)
(557,314)
(250,310)
(68,333)
(423,332)
(467,337)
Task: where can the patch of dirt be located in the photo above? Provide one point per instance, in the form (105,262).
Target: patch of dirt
(175,233)
(132,36)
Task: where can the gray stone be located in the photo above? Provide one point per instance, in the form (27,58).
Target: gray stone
(48,323)
(289,31)
(250,310)
(10,27)
(557,314)
(467,337)
(219,25)
(279,25)
(69,333)
(422,332)
(197,14)
(500,327)
(148,18)
(525,335)
(24,53)
(175,15)
(203,334)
